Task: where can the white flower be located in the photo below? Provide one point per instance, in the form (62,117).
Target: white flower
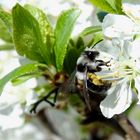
(11,104)
(133,11)
(11,117)
(118,99)
(120,31)
(123,70)
(123,26)
(118,26)
(11,99)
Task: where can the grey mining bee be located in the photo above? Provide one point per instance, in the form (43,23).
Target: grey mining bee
(87,78)
(89,65)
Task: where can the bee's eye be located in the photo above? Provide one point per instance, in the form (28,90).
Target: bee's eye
(81,67)
(91,54)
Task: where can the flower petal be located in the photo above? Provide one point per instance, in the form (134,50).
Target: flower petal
(119,26)
(117,101)
(135,48)
(11,119)
(137,85)
(108,47)
(133,11)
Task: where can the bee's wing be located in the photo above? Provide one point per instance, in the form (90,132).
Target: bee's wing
(69,85)
(85,91)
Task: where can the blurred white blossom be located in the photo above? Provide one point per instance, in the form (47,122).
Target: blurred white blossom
(11,117)
(55,7)
(133,11)
(12,97)
(30,131)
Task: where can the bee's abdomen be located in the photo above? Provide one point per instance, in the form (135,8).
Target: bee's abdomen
(96,84)
(98,88)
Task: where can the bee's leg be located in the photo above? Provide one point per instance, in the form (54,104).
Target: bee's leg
(54,91)
(108,63)
(102,63)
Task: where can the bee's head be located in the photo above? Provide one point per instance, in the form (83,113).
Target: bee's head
(91,54)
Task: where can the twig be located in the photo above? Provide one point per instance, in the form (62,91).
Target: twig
(96,116)
(130,130)
(120,123)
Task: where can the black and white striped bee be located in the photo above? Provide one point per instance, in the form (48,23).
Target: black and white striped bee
(87,78)
(89,64)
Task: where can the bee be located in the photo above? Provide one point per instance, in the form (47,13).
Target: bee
(85,78)
(89,64)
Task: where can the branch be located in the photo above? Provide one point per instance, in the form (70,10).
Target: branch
(96,116)
(130,130)
(120,123)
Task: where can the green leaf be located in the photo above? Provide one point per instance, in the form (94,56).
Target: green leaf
(4,33)
(44,24)
(7,46)
(111,6)
(5,26)
(23,78)
(80,45)
(103,5)
(91,30)
(91,35)
(27,36)
(73,52)
(46,31)
(7,20)
(70,60)
(62,32)
(20,71)
(97,37)
(116,4)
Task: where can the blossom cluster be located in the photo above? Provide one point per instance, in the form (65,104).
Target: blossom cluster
(122,43)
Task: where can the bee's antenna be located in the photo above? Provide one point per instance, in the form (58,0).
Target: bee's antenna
(96,43)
